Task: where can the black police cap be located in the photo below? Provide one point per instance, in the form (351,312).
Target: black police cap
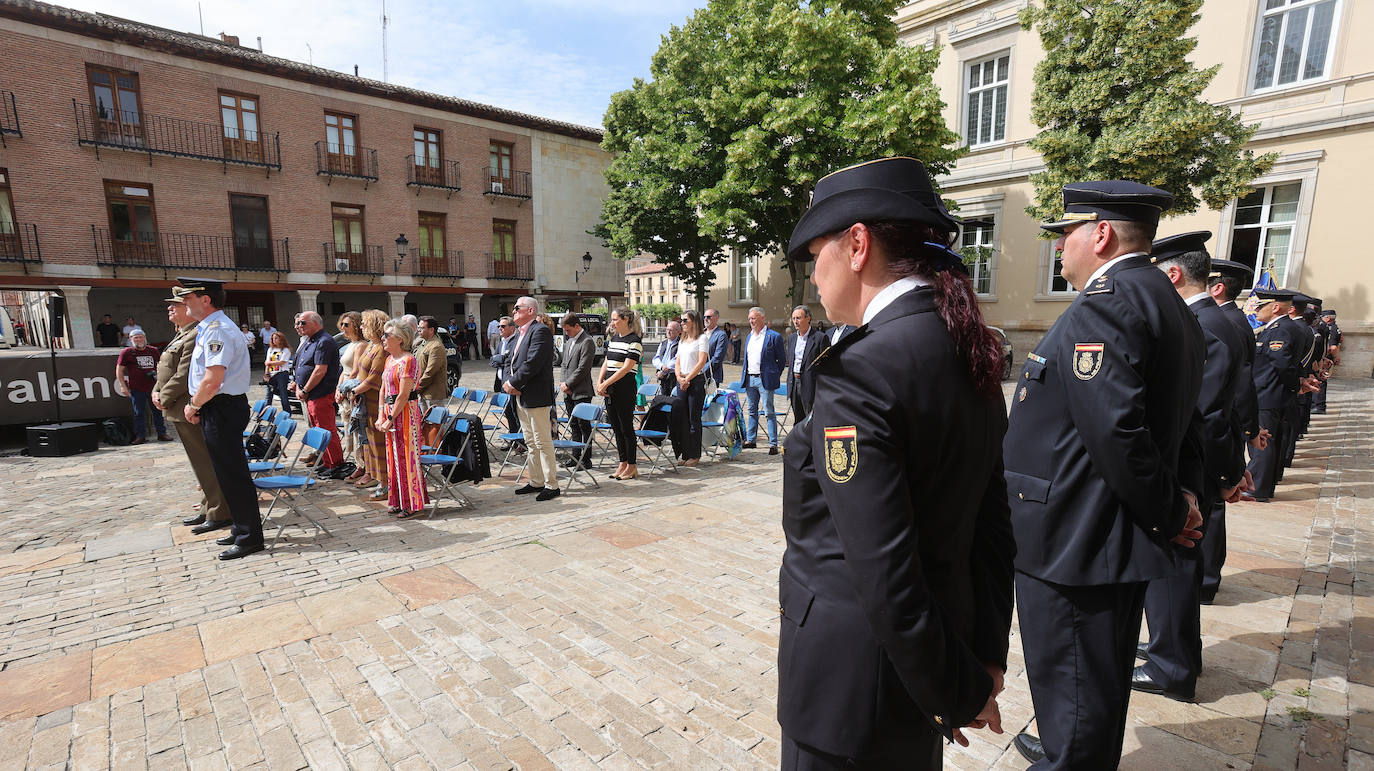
(1114,199)
(1275,295)
(1232,268)
(199,284)
(885,190)
(1170,247)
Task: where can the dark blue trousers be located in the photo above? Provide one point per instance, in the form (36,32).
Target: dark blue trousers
(1213,551)
(1265,464)
(1174,614)
(222,420)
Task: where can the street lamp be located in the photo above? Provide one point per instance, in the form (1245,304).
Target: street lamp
(401,244)
(578,274)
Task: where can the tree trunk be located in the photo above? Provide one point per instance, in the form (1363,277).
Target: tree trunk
(799,284)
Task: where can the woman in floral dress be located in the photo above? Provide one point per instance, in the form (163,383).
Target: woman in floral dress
(400,418)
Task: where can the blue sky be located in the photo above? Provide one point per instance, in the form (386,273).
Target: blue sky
(555,58)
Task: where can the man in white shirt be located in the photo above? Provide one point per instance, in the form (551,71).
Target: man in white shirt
(764,362)
(665,358)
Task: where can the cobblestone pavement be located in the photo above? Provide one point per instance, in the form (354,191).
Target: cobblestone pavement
(632,626)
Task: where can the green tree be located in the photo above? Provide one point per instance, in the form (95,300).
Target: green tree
(751,102)
(1117,98)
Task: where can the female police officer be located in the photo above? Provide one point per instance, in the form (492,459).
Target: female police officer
(896,585)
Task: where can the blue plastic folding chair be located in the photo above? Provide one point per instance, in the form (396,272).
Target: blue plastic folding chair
(286,427)
(785,412)
(287,488)
(255,414)
(440,468)
(457,399)
(573,451)
(648,391)
(643,435)
(437,416)
(713,425)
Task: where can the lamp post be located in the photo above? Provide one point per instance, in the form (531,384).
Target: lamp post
(401,244)
(577,274)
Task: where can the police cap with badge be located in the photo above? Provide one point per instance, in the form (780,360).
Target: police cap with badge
(1113,199)
(1232,269)
(1265,296)
(885,190)
(1171,247)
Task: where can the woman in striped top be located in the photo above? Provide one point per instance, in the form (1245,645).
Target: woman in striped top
(617,384)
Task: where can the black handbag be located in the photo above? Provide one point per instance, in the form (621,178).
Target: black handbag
(259,444)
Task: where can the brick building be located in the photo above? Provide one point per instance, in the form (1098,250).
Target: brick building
(133,154)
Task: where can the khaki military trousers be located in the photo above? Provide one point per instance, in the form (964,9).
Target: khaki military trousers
(212,503)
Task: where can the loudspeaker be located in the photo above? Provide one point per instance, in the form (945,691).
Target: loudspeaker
(57,440)
(57,309)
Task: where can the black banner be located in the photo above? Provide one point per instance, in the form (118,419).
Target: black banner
(84,383)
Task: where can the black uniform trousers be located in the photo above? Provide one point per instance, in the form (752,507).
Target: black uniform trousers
(222,421)
(1319,400)
(1079,644)
(1212,550)
(581,430)
(1265,464)
(1173,613)
(1292,431)
(919,748)
(620,414)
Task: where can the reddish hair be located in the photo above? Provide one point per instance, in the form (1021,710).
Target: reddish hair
(955,300)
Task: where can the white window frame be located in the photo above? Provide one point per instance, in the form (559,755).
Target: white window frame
(1285,14)
(1045,290)
(1298,167)
(969,89)
(742,292)
(985,207)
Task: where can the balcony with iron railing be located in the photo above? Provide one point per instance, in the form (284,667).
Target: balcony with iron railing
(443,176)
(19,243)
(352,260)
(436,263)
(9,116)
(140,132)
(144,249)
(347,161)
(515,185)
(514,267)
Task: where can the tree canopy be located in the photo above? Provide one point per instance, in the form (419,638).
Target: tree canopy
(750,103)
(1116,98)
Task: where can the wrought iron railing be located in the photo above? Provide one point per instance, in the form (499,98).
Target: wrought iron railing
(160,135)
(436,263)
(518,267)
(444,176)
(361,260)
(188,250)
(348,161)
(19,242)
(9,115)
(517,185)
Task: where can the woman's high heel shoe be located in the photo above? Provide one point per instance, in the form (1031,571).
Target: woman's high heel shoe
(631,475)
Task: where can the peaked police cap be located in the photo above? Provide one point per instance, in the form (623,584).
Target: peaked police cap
(1113,199)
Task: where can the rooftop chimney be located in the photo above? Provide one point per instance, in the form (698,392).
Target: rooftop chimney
(232,40)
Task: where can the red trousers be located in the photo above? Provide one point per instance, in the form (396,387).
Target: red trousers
(321,412)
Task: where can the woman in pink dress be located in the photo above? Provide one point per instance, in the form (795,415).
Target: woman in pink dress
(400,420)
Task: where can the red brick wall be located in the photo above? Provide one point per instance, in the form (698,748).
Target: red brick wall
(57,184)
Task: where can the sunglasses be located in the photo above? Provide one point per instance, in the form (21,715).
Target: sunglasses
(299,324)
(503,326)
(346,324)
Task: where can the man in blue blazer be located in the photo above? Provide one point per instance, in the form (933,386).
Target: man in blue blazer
(717,343)
(764,361)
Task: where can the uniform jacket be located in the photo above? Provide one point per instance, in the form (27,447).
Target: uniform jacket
(1224,371)
(531,366)
(432,361)
(578,357)
(770,360)
(1246,402)
(1279,354)
(716,346)
(174,373)
(815,342)
(896,585)
(1094,452)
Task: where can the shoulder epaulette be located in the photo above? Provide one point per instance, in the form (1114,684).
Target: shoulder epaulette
(1099,285)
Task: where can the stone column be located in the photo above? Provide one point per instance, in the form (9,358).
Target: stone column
(79,316)
(398,303)
(309,300)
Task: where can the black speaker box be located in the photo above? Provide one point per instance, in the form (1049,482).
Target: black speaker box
(58,440)
(57,308)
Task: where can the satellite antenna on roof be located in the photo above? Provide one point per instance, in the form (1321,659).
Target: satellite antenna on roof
(384,58)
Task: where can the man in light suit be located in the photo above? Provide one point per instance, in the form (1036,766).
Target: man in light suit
(717,343)
(531,383)
(802,349)
(579,351)
(763,366)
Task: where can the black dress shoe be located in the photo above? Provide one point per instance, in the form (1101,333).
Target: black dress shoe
(212,526)
(228,540)
(234,552)
(198,519)
(773,450)
(1207,599)
(1029,746)
(1142,651)
(548,495)
(1247,497)
(527,489)
(1141,681)
(749,445)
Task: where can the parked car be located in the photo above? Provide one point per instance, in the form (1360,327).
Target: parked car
(1006,351)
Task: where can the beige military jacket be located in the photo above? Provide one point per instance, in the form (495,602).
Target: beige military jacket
(431,359)
(173,373)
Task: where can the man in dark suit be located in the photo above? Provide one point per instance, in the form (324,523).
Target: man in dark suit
(1277,371)
(1172,602)
(501,361)
(802,349)
(1101,476)
(531,383)
(717,343)
(579,351)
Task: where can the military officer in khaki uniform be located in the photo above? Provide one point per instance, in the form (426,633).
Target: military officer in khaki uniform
(170,395)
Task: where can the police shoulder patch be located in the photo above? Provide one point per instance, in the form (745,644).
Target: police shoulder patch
(841,453)
(1087,359)
(1275,345)
(212,325)
(216,346)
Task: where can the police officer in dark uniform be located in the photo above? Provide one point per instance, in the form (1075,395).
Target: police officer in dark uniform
(1225,283)
(1172,602)
(895,588)
(1278,375)
(219,382)
(1302,316)
(1101,472)
(1333,353)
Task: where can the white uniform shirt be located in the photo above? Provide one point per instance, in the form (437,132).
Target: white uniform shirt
(220,343)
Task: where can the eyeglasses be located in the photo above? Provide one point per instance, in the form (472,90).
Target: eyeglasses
(684,319)
(299,324)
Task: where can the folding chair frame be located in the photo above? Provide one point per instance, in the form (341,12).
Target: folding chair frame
(290,494)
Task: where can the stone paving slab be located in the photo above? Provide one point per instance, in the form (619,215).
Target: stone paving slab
(629,627)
